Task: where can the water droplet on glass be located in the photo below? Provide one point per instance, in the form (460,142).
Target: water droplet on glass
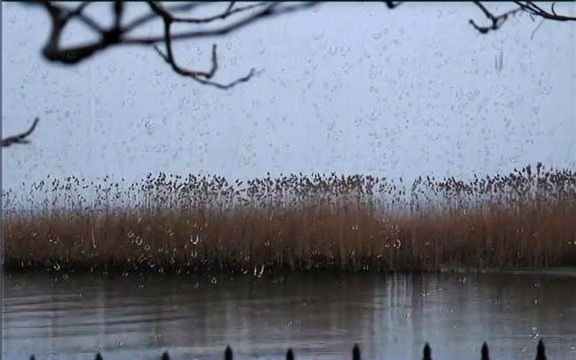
(318,36)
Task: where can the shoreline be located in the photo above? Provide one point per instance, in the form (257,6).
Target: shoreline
(13,268)
(114,272)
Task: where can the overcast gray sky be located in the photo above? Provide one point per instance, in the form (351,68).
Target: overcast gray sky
(350,88)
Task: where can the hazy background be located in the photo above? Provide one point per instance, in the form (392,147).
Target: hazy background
(350,88)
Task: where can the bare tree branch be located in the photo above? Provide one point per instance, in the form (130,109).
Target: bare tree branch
(196,75)
(20,139)
(392,4)
(534,9)
(152,16)
(271,10)
(118,34)
(229,11)
(497,21)
(523,6)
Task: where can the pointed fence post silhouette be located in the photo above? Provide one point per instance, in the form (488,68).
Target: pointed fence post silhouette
(356,352)
(484,352)
(228,353)
(356,355)
(540,351)
(427,353)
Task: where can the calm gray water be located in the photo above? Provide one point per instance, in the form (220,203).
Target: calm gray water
(320,317)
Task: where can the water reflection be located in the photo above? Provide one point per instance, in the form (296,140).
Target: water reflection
(320,317)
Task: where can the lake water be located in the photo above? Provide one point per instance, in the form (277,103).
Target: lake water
(58,316)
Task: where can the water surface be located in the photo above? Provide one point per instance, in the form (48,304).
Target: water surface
(61,316)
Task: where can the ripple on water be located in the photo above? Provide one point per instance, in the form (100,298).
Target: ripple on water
(319,317)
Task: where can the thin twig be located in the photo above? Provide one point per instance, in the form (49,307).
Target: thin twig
(392,4)
(526,6)
(21,138)
(221,16)
(534,9)
(202,77)
(116,34)
(497,21)
(536,29)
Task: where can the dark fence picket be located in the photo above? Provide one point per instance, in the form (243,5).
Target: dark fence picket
(356,354)
(540,351)
(427,353)
(228,353)
(484,352)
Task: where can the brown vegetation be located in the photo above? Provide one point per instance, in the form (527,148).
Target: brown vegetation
(172,224)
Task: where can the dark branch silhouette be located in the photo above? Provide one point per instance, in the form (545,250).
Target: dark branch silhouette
(534,9)
(243,15)
(497,21)
(523,6)
(120,32)
(392,4)
(20,139)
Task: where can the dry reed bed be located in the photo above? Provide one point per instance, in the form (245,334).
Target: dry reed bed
(171,224)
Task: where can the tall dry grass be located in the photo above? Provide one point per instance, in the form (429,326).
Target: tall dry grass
(294,223)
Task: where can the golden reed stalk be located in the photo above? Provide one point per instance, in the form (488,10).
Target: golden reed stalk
(170,224)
